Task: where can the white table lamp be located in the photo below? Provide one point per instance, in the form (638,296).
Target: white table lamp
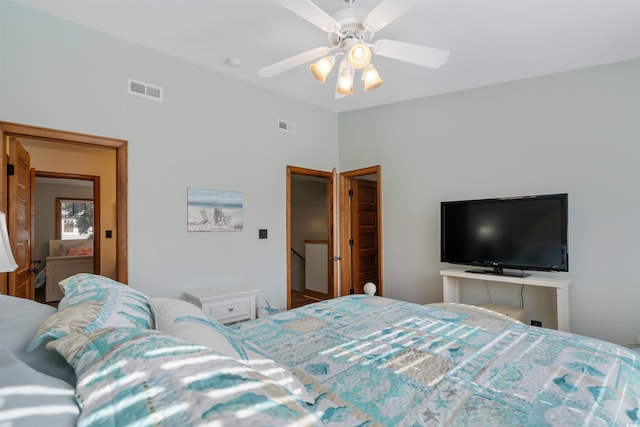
(7,262)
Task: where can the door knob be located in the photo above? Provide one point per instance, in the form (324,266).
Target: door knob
(34,269)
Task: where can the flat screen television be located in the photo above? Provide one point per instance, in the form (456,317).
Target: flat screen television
(520,233)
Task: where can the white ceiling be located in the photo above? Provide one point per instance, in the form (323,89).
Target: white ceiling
(491,41)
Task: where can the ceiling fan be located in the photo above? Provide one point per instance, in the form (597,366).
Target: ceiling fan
(350,32)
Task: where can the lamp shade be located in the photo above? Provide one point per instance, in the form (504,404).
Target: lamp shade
(7,262)
(371,78)
(359,56)
(322,68)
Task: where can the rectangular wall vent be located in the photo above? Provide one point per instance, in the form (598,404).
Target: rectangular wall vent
(286,126)
(145,90)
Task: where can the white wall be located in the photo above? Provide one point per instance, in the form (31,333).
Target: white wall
(211,131)
(576,132)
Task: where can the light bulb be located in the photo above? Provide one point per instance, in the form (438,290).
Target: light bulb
(359,56)
(358,52)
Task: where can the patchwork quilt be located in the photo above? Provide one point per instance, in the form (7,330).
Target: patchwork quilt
(375,361)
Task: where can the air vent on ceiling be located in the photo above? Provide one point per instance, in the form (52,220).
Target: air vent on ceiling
(286,126)
(145,90)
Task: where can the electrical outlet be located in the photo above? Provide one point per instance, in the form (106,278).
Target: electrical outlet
(536,323)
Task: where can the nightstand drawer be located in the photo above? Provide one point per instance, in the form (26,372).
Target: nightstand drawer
(230,310)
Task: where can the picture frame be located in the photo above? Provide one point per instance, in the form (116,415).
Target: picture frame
(214,210)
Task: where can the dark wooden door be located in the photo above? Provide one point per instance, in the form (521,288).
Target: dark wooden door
(364,234)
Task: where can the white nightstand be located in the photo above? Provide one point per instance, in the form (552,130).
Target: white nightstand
(226,305)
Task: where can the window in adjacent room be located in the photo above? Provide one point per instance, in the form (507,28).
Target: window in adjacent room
(74,218)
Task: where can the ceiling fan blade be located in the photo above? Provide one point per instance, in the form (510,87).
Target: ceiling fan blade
(386,12)
(292,62)
(312,13)
(413,53)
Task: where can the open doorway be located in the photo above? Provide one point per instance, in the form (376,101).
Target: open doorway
(65,216)
(311,215)
(19,131)
(359,237)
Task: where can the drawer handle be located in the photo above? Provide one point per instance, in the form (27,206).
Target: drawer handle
(231,309)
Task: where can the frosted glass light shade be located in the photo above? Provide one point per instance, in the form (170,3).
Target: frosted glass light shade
(371,78)
(359,56)
(345,82)
(322,68)
(7,262)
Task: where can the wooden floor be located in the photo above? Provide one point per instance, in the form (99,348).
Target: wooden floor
(40,297)
(298,299)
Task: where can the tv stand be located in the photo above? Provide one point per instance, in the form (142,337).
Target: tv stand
(497,271)
(451,289)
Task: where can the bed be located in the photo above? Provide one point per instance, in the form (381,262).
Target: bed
(66,258)
(353,361)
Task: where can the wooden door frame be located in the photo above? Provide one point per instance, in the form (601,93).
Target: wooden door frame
(345,226)
(331,226)
(8,129)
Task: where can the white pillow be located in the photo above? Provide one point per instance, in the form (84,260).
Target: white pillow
(134,376)
(29,398)
(184,320)
(91,302)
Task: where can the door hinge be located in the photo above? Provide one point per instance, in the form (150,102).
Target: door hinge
(350,193)
(350,242)
(335,258)
(11,170)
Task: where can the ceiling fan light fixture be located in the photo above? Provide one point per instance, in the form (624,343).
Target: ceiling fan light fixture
(359,56)
(345,82)
(351,32)
(322,68)
(371,78)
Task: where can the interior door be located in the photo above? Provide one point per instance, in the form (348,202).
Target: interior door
(361,230)
(334,258)
(364,234)
(19,220)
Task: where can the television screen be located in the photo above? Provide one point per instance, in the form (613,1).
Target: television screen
(524,233)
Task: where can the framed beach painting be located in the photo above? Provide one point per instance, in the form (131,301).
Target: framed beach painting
(214,210)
